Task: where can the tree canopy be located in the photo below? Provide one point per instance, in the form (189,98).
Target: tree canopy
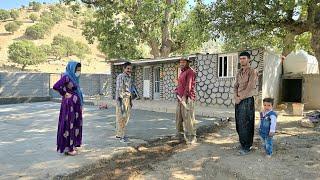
(284,24)
(26,53)
(166,27)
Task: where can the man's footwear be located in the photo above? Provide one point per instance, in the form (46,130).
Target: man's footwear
(268,156)
(72,153)
(118,137)
(243,152)
(193,141)
(125,139)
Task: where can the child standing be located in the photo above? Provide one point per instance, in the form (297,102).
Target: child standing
(268,121)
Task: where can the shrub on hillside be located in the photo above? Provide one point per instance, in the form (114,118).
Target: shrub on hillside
(58,51)
(75,23)
(37,31)
(36,6)
(81,49)
(46,49)
(4,14)
(19,23)
(76,8)
(33,17)
(66,42)
(14,14)
(12,27)
(48,21)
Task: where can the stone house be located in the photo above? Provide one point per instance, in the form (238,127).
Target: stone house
(156,79)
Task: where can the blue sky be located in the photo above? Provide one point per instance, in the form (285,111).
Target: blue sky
(10,4)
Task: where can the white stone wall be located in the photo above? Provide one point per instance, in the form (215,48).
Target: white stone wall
(216,91)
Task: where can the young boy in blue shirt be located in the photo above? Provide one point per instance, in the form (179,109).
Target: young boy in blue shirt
(267,128)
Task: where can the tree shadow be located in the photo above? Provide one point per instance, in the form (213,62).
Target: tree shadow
(130,164)
(23,37)
(71,26)
(28,21)
(5,34)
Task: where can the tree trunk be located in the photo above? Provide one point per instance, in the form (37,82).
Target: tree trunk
(166,42)
(154,48)
(288,43)
(23,67)
(315,44)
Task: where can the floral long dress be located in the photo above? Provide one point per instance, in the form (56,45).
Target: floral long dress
(69,133)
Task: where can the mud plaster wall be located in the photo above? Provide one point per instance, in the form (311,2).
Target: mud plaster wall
(311,89)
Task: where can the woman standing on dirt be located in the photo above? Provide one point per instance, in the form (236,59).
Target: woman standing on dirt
(69,135)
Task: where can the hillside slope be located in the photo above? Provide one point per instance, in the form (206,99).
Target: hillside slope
(93,63)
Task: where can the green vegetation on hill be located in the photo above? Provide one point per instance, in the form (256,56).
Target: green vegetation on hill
(12,26)
(47,20)
(26,53)
(4,15)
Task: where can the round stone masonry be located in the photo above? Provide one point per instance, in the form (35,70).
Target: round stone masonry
(215,89)
(221,83)
(211,86)
(225,96)
(219,101)
(221,89)
(227,102)
(204,88)
(207,82)
(208,101)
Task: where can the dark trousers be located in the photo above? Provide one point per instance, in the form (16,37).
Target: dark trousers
(244,114)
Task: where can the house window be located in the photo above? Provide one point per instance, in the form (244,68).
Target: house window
(227,64)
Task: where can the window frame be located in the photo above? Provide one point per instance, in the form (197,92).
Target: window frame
(234,57)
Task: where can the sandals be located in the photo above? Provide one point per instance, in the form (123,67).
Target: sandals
(72,153)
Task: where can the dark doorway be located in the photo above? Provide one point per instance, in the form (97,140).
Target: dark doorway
(292,90)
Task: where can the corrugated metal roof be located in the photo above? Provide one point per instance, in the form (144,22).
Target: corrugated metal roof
(148,61)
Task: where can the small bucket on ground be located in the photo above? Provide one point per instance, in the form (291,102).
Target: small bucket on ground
(297,109)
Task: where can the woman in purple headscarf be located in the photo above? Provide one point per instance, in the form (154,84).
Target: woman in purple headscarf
(69,134)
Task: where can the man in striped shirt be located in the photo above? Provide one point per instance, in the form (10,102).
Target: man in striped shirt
(124,101)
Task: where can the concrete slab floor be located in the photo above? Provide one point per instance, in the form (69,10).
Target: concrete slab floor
(28,138)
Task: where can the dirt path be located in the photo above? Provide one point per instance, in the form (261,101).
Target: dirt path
(297,156)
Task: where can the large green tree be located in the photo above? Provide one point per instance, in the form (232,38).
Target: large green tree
(167,27)
(284,24)
(26,53)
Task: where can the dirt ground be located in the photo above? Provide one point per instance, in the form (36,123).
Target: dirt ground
(296,156)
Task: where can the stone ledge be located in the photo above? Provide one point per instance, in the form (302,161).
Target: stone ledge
(17,100)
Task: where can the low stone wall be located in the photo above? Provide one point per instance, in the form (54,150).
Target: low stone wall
(28,87)
(17,84)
